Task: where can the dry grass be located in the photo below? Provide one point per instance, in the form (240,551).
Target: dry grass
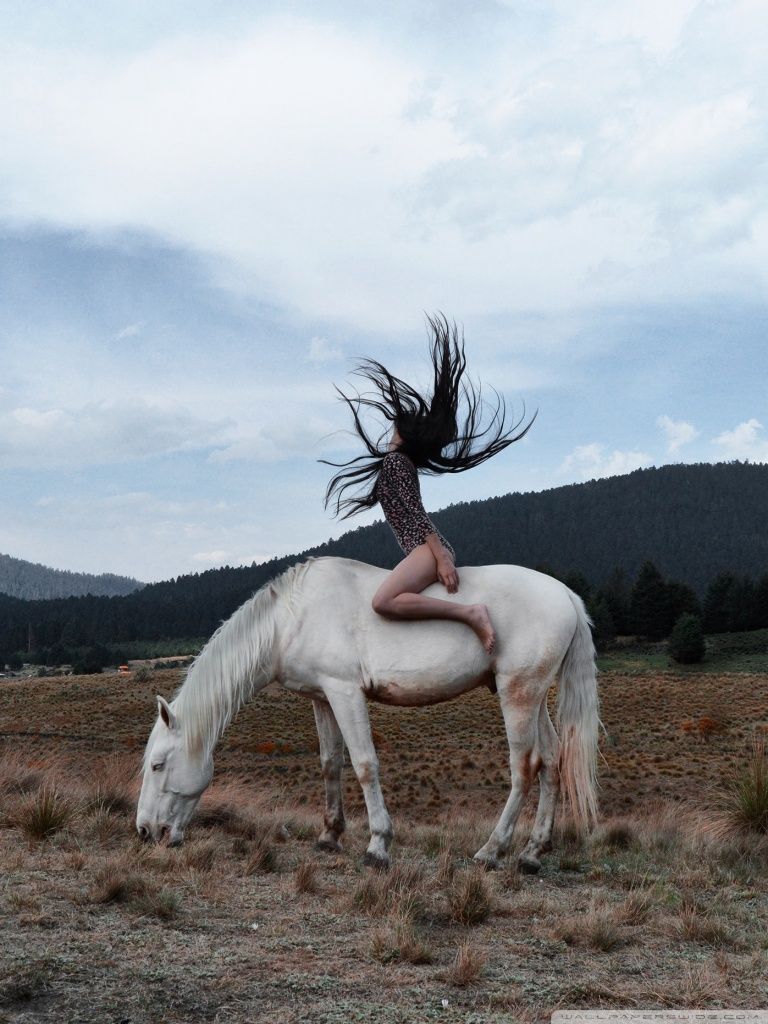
(118,881)
(400,940)
(305,877)
(42,813)
(467,966)
(401,890)
(469,896)
(664,911)
(596,928)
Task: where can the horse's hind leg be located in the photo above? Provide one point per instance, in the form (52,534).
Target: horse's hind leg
(520,700)
(549,788)
(332,762)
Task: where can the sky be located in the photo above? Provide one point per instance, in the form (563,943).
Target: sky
(209,211)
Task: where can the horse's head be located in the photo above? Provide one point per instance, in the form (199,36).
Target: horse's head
(174,781)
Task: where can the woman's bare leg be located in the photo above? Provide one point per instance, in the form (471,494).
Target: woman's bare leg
(400,597)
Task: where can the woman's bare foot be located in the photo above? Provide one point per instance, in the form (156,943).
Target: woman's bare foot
(480,621)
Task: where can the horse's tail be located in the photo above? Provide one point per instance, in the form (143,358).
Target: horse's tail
(578,721)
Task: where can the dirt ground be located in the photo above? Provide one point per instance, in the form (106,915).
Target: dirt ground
(246,922)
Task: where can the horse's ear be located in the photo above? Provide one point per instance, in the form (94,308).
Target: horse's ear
(165,712)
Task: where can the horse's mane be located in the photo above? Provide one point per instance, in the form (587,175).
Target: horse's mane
(222,676)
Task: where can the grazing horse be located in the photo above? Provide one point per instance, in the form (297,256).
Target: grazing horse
(313,631)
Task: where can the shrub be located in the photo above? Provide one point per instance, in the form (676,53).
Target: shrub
(686,644)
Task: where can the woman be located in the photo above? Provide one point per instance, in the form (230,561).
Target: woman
(425,436)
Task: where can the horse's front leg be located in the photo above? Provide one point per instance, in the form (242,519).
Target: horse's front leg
(332,762)
(351,711)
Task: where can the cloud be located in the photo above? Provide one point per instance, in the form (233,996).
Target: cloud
(130,331)
(289,433)
(216,557)
(589,462)
(743,442)
(321,351)
(100,432)
(678,432)
(334,170)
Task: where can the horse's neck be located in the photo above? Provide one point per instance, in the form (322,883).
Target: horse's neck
(236,663)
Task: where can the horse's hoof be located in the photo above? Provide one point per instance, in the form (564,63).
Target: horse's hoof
(487,863)
(375,860)
(528,866)
(328,846)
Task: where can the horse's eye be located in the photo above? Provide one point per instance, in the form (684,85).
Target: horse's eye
(158,767)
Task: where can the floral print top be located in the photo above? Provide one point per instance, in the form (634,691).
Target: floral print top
(399,494)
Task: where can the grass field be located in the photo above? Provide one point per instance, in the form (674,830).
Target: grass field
(662,906)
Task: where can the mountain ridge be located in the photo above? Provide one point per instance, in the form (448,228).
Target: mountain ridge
(33,581)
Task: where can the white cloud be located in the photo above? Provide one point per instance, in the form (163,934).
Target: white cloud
(130,331)
(217,557)
(588,461)
(100,432)
(291,155)
(321,351)
(743,442)
(678,432)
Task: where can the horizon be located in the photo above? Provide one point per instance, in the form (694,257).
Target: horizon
(207,215)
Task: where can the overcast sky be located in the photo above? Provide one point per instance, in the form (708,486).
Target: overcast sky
(209,209)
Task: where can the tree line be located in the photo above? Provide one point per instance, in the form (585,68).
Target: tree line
(648,607)
(641,549)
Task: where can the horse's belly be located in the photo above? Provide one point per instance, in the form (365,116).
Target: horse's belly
(418,693)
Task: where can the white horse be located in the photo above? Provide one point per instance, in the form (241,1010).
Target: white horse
(313,631)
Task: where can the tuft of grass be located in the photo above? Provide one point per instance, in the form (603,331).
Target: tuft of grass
(446,866)
(399,940)
(597,929)
(163,903)
(305,876)
(200,854)
(16,776)
(402,890)
(635,909)
(112,790)
(261,855)
(618,835)
(115,882)
(467,965)
(696,924)
(469,897)
(745,795)
(42,814)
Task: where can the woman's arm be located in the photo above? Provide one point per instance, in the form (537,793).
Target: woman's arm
(446,570)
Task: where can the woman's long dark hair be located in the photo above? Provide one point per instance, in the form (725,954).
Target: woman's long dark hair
(431,435)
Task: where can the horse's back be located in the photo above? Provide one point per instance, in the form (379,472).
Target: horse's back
(531,612)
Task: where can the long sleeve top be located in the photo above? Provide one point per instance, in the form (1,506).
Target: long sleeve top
(399,494)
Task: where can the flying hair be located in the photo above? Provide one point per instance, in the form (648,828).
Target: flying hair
(438,435)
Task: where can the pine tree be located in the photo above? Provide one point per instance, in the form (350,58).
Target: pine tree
(605,629)
(649,604)
(686,643)
(616,591)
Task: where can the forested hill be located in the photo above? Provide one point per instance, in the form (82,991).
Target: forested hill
(33,581)
(691,521)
